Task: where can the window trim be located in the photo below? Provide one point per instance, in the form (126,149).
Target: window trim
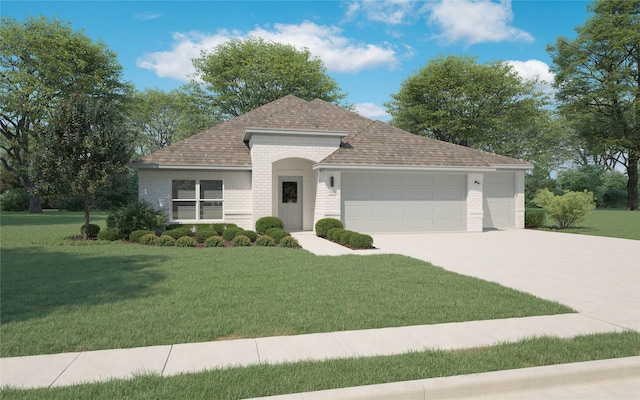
(197,201)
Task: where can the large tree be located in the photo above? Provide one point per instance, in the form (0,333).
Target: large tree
(86,145)
(599,85)
(41,62)
(246,74)
(486,106)
(161,118)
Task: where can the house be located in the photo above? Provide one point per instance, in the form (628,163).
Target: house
(306,160)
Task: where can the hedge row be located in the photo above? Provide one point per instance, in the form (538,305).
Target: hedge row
(332,229)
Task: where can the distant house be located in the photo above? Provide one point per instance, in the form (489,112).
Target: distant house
(306,160)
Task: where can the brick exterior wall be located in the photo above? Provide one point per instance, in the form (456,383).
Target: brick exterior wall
(475,211)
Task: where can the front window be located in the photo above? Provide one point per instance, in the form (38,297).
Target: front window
(196,199)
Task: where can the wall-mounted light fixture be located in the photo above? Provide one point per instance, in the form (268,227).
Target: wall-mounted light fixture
(331,181)
(476,182)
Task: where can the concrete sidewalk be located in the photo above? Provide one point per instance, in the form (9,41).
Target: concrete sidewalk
(94,366)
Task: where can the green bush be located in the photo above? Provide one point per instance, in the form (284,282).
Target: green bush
(149,239)
(15,199)
(240,241)
(534,219)
(178,232)
(345,238)
(265,241)
(186,241)
(204,234)
(134,216)
(334,234)
(568,209)
(166,240)
(214,241)
(277,234)
(289,241)
(265,223)
(220,228)
(250,234)
(136,235)
(109,234)
(230,233)
(94,230)
(70,202)
(324,225)
(361,241)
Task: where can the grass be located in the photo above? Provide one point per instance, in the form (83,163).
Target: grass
(605,222)
(267,380)
(60,296)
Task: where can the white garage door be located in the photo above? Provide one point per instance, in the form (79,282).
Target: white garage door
(499,200)
(407,202)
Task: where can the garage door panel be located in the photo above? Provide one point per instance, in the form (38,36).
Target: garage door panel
(415,202)
(499,200)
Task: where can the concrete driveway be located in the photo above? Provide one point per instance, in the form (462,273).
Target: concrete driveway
(597,276)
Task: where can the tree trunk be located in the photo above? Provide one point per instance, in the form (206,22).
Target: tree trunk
(35,204)
(85,231)
(632,184)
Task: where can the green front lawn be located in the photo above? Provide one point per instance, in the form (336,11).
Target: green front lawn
(605,222)
(267,380)
(60,296)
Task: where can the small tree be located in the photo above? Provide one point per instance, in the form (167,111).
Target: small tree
(86,144)
(568,209)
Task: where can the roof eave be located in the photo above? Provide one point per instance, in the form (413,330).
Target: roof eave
(191,167)
(379,167)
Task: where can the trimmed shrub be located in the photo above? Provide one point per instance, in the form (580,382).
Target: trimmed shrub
(149,239)
(15,199)
(230,233)
(345,238)
(186,241)
(265,223)
(178,233)
(265,241)
(166,240)
(361,241)
(174,226)
(250,234)
(204,234)
(136,235)
(334,234)
(240,241)
(94,230)
(109,234)
(289,241)
(277,234)
(134,216)
(214,241)
(220,228)
(324,225)
(568,209)
(534,219)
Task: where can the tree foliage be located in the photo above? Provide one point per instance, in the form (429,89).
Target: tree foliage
(41,62)
(599,84)
(486,106)
(161,118)
(85,145)
(246,74)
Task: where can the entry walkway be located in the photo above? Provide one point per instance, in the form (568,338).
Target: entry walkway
(599,277)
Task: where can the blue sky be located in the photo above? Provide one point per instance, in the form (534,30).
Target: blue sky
(369,47)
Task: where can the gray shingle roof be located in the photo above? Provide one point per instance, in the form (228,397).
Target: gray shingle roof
(371,143)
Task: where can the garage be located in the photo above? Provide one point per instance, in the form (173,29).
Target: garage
(404,202)
(498,200)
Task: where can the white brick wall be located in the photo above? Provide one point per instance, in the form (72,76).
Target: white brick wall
(154,186)
(273,156)
(475,211)
(519,182)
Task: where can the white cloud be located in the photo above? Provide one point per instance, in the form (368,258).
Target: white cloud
(535,69)
(145,16)
(339,53)
(372,111)
(391,12)
(476,21)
